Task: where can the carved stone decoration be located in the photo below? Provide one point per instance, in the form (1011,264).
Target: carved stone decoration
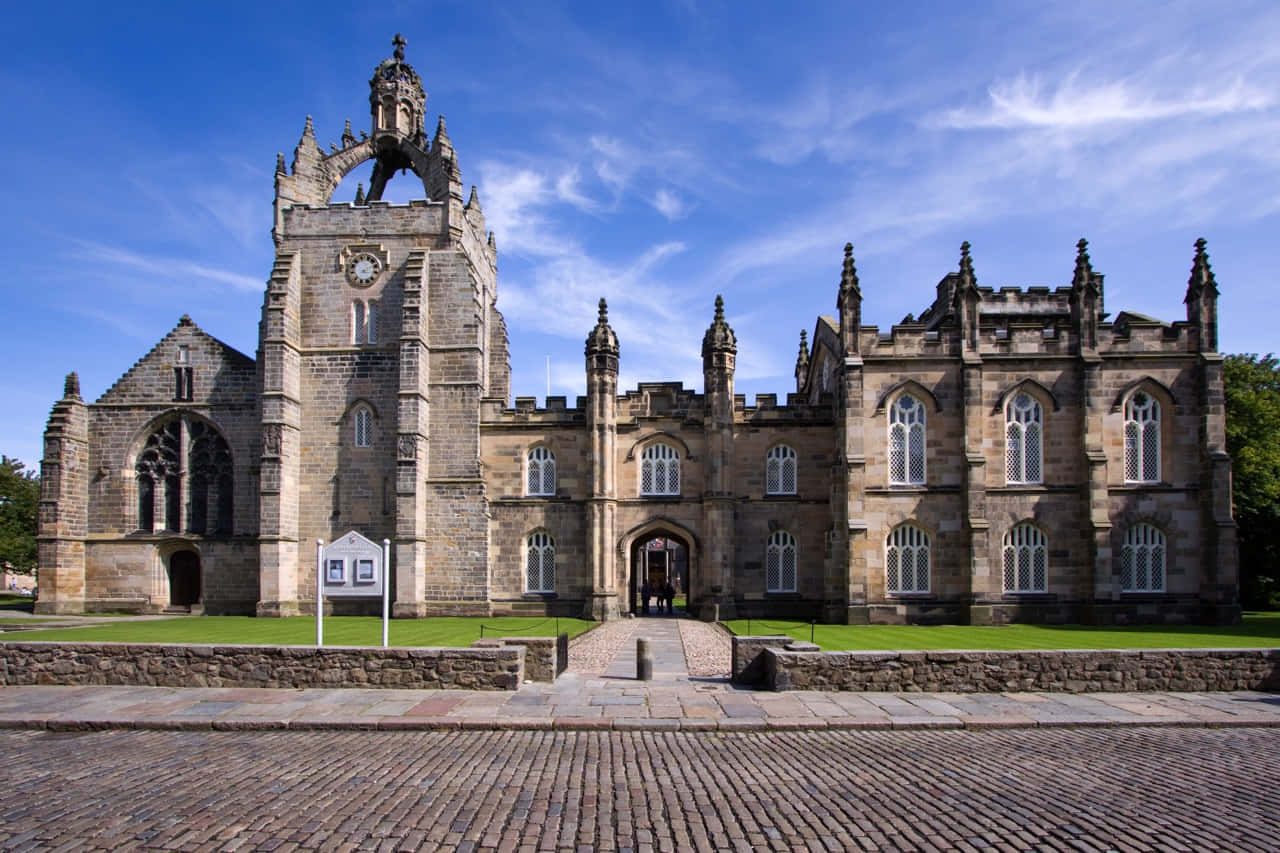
(408,446)
(272,436)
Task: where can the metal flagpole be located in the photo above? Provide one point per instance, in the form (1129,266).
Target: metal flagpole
(386,587)
(319,592)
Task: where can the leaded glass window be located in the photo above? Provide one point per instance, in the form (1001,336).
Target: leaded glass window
(1142,560)
(1026,559)
(1141,439)
(780,562)
(907,560)
(780,471)
(540,564)
(660,470)
(906,441)
(184,479)
(363,427)
(1024,440)
(540,475)
(357,322)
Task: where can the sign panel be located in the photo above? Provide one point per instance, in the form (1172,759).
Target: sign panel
(352,567)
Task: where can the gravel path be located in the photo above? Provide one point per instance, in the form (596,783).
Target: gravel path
(592,652)
(706,647)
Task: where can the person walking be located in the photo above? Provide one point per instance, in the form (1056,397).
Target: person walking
(645,593)
(669,593)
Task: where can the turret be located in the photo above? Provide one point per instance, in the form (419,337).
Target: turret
(1086,298)
(1202,300)
(802,363)
(849,304)
(602,424)
(966,301)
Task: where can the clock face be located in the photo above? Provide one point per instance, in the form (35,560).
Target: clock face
(364,268)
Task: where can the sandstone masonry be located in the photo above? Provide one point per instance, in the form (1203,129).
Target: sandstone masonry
(1006,455)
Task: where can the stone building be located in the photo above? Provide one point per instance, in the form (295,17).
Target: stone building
(1006,456)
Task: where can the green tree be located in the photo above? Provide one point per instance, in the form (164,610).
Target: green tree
(1252,386)
(19,499)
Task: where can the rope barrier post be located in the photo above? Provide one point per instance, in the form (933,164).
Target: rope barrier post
(812,625)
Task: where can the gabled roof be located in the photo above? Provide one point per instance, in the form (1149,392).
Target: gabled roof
(150,379)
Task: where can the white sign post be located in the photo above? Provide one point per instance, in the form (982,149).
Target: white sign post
(352,566)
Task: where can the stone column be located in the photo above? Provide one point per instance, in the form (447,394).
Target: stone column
(64,505)
(719,354)
(846,582)
(602,503)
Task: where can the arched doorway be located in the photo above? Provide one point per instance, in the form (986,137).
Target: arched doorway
(184,579)
(659,556)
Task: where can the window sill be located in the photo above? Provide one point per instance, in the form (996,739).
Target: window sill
(910,595)
(536,596)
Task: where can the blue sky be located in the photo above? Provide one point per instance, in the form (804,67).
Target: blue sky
(656,154)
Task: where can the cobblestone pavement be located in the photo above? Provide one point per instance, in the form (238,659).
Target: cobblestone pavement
(1140,789)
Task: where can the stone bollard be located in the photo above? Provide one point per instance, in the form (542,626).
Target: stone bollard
(644,661)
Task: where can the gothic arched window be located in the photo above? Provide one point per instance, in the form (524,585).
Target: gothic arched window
(1142,559)
(1024,440)
(906,441)
(363,427)
(540,473)
(540,564)
(780,471)
(1141,439)
(1026,559)
(660,470)
(195,490)
(906,560)
(780,562)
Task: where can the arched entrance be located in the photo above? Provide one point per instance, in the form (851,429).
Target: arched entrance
(184,579)
(660,554)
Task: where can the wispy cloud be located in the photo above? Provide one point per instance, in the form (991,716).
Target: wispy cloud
(668,204)
(172,269)
(1027,101)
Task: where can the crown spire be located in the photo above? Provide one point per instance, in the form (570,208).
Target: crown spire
(398,44)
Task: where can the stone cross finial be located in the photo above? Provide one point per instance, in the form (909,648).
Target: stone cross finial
(604,312)
(398,43)
(719,308)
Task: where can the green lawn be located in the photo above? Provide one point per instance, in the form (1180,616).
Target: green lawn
(301,631)
(1258,630)
(9,601)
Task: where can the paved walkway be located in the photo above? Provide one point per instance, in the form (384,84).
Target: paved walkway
(614,699)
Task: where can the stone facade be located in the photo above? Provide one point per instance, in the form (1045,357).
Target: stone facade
(1010,455)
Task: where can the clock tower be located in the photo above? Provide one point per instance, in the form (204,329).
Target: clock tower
(379,343)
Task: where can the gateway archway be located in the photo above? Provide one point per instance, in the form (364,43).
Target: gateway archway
(659,553)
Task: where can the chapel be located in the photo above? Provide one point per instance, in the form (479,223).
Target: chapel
(1010,455)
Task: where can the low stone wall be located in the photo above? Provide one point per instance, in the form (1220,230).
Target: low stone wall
(1090,671)
(747,666)
(542,660)
(261,666)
